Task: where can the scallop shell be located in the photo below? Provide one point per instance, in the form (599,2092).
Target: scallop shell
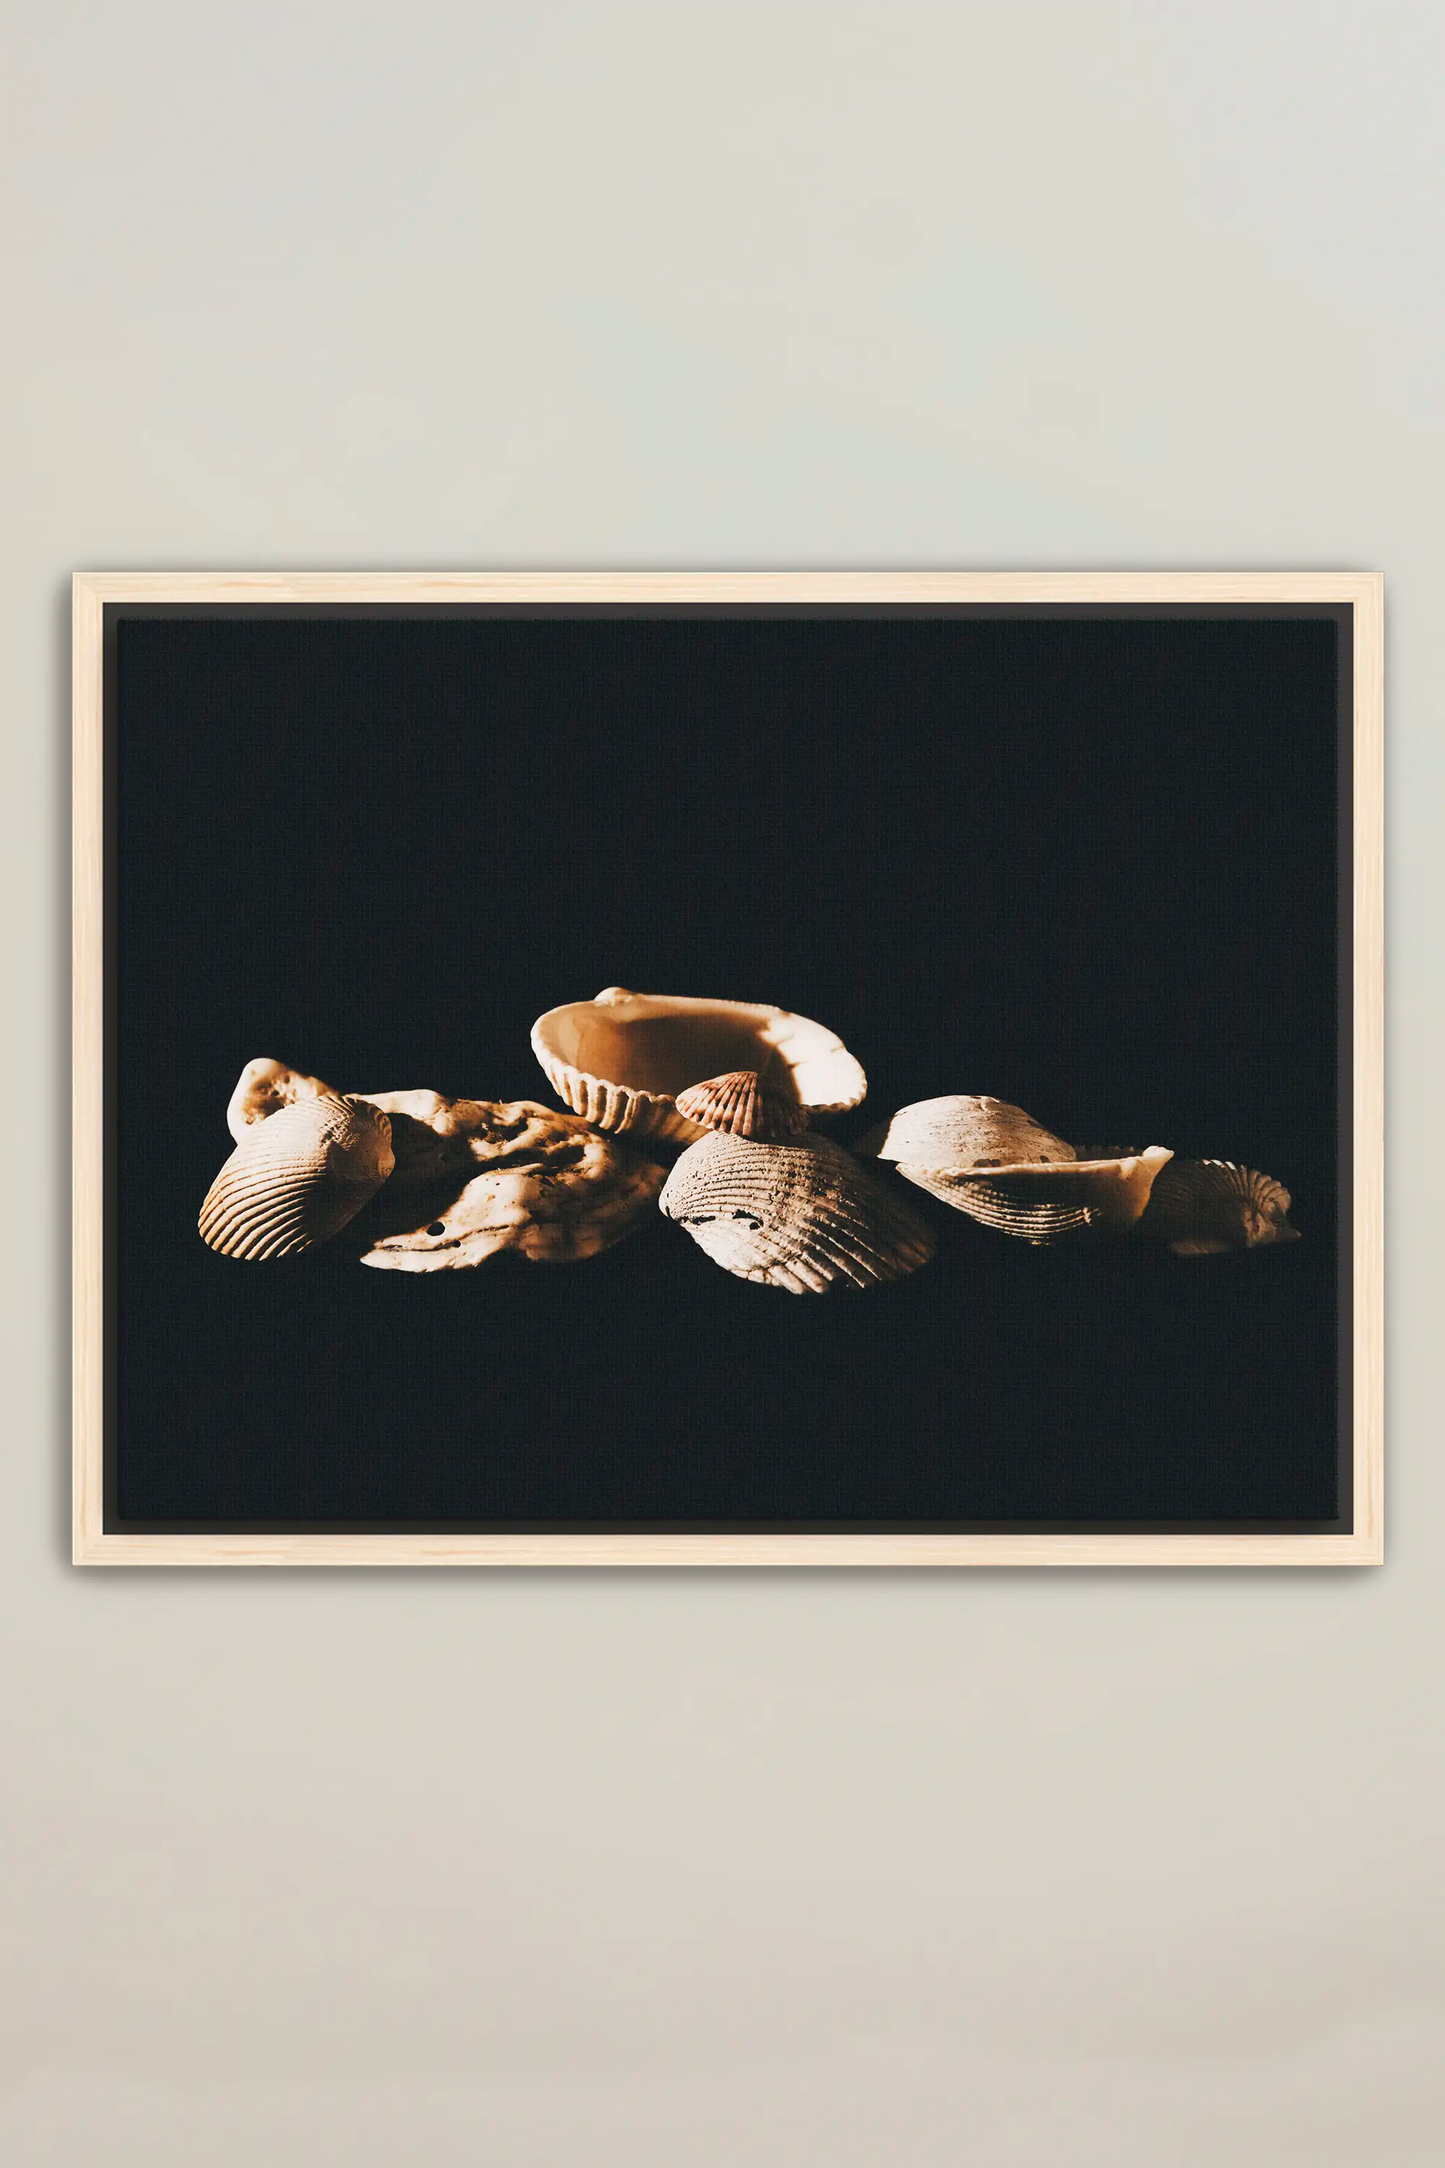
(264,1087)
(482,1175)
(806,1216)
(962,1132)
(1201,1207)
(1052,1200)
(622,1059)
(296,1178)
(742,1105)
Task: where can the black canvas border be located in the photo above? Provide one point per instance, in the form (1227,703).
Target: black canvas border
(1343,616)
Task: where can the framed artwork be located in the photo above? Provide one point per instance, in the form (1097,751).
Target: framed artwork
(728,1069)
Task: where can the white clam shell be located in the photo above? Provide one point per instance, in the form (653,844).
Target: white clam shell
(965,1131)
(996,1163)
(296,1178)
(806,1217)
(1050,1201)
(1202,1207)
(621,1059)
(476,1176)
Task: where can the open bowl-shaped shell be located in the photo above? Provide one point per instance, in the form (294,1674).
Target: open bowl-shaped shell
(621,1060)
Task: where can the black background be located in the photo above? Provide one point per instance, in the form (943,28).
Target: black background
(1087,863)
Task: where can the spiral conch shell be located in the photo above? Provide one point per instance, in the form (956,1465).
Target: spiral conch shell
(623,1059)
(476,1176)
(806,1217)
(1001,1167)
(1202,1207)
(297,1177)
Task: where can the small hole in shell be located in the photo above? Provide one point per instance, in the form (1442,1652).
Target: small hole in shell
(437,1227)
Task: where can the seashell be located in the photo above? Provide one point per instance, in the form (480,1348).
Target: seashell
(265,1086)
(487,1175)
(744,1106)
(622,1059)
(296,1178)
(1201,1207)
(961,1131)
(805,1216)
(1004,1169)
(1051,1200)
(432,1135)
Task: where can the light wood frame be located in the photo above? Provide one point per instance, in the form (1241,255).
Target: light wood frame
(1361,592)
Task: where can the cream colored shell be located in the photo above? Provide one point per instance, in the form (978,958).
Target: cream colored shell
(1051,1200)
(806,1217)
(477,1176)
(621,1059)
(965,1131)
(994,1162)
(296,1178)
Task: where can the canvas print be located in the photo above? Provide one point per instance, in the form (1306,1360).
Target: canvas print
(689,1069)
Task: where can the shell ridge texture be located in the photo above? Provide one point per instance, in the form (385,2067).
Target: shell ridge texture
(296,1177)
(803,1216)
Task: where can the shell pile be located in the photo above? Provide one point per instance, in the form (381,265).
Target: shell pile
(997,1164)
(416,1182)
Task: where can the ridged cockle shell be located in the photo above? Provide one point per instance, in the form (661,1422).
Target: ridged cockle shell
(297,1177)
(806,1216)
(1054,1199)
(1201,1207)
(963,1132)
